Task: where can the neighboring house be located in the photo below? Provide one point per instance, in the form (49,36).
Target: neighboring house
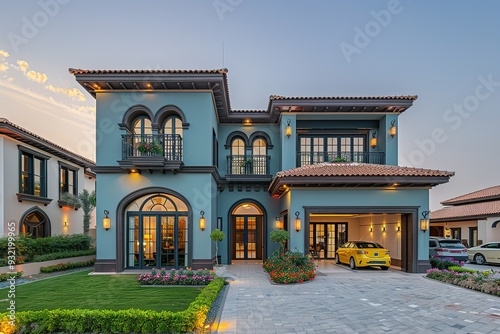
(34,173)
(472,218)
(174,162)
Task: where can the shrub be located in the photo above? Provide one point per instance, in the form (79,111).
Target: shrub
(487,282)
(29,247)
(5,277)
(443,263)
(66,266)
(280,237)
(122,321)
(62,255)
(292,267)
(177,277)
(459,269)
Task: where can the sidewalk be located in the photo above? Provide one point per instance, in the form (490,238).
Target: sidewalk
(340,300)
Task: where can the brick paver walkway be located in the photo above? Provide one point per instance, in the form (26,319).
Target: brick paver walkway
(362,301)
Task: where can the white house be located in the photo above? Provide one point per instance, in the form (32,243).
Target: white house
(33,174)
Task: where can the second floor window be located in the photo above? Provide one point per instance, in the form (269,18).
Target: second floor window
(259,156)
(238,156)
(323,148)
(142,126)
(68,180)
(33,179)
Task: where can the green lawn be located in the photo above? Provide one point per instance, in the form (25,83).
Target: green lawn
(112,292)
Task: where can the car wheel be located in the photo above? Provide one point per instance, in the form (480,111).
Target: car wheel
(337,260)
(479,259)
(384,268)
(352,263)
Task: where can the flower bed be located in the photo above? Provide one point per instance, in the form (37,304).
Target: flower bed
(177,277)
(5,277)
(486,281)
(290,267)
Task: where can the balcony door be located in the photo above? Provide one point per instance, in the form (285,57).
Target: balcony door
(247,232)
(324,148)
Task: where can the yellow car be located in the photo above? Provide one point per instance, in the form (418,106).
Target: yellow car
(363,254)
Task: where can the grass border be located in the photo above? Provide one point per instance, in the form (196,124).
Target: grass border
(106,321)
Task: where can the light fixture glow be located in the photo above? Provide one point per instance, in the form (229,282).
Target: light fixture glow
(393,130)
(203,221)
(278,223)
(288,129)
(106,221)
(370,229)
(424,222)
(373,139)
(297,221)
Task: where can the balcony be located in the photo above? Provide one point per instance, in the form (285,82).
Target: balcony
(155,151)
(248,167)
(309,158)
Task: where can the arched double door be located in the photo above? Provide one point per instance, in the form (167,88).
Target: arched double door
(157,232)
(248,230)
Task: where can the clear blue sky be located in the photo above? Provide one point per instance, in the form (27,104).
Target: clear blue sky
(446,52)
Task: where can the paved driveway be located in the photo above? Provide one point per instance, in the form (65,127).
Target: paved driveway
(340,300)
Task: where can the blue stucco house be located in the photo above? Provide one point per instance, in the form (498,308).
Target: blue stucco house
(174,161)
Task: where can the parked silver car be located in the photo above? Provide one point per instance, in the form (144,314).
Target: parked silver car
(447,248)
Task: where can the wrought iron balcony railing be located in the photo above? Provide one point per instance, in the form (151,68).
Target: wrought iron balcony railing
(164,146)
(309,158)
(248,164)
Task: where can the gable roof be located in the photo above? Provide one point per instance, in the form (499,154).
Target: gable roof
(479,210)
(487,194)
(332,174)
(16,132)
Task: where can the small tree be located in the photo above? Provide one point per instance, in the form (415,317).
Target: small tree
(280,236)
(217,235)
(88,203)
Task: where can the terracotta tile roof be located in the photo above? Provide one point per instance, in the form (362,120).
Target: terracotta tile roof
(33,139)
(476,196)
(401,97)
(467,211)
(359,169)
(335,174)
(81,71)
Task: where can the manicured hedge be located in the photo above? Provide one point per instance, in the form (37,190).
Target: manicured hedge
(4,277)
(63,255)
(30,247)
(66,266)
(122,321)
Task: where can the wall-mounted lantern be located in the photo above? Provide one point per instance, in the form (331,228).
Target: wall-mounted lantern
(278,223)
(203,221)
(424,222)
(288,129)
(297,221)
(106,221)
(373,139)
(393,130)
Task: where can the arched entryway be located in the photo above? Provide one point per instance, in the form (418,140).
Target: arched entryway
(247,231)
(157,232)
(35,223)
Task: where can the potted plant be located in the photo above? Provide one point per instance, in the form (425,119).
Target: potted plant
(217,236)
(149,147)
(246,162)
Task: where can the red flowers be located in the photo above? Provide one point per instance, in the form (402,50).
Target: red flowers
(291,267)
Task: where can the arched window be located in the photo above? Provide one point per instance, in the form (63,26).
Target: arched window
(142,126)
(172,136)
(36,224)
(259,156)
(238,158)
(157,232)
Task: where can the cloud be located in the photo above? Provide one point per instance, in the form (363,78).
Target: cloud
(4,54)
(23,65)
(4,67)
(90,110)
(74,93)
(36,76)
